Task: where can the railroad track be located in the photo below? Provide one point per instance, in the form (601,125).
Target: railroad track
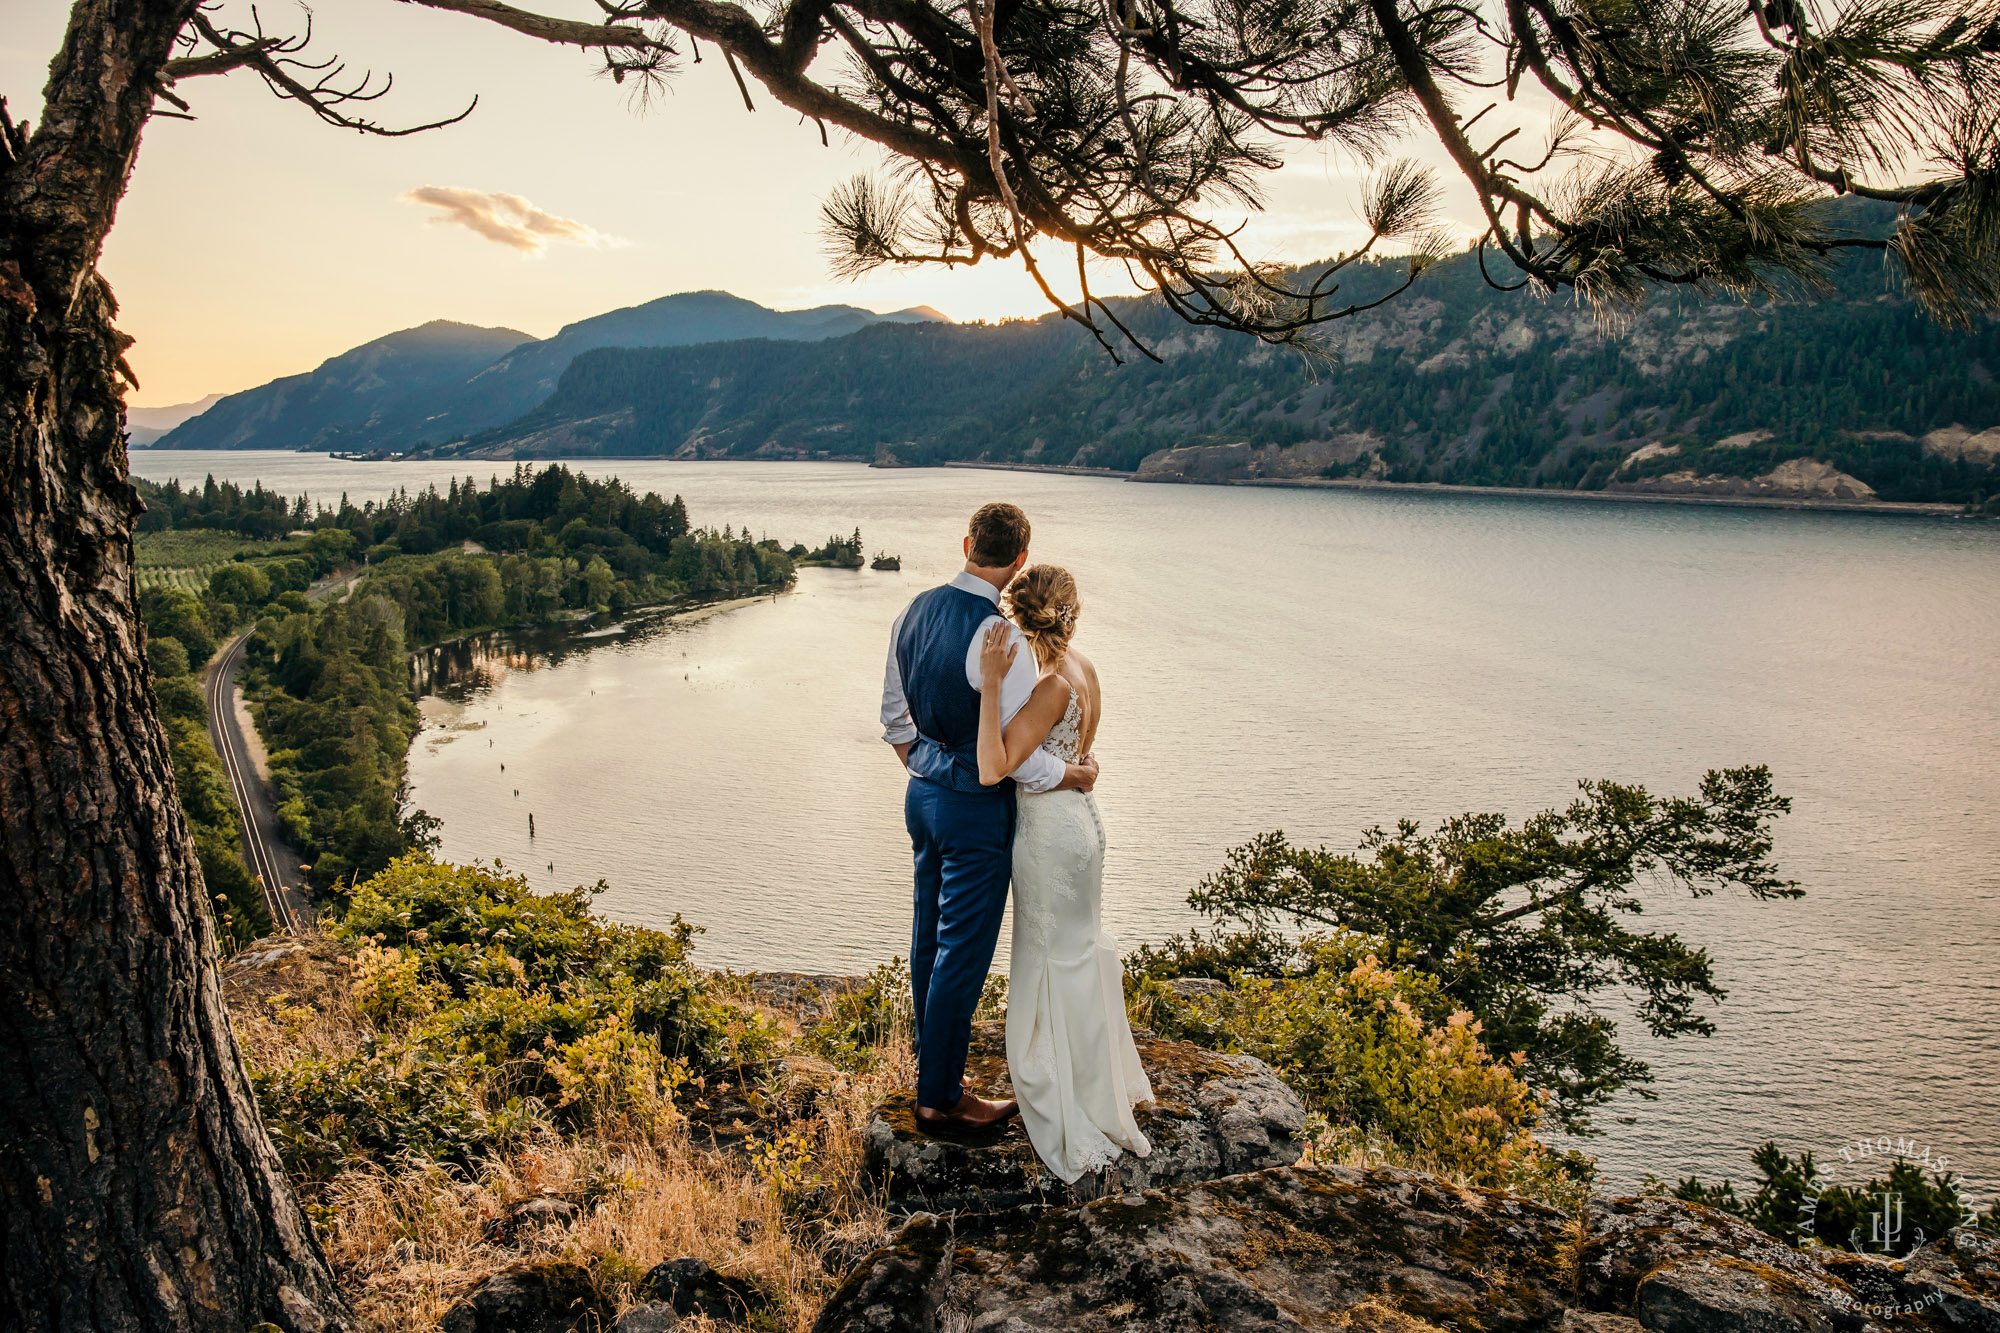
(266,863)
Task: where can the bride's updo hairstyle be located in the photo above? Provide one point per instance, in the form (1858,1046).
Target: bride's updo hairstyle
(1042,600)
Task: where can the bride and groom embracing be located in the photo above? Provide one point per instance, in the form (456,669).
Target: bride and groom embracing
(997,744)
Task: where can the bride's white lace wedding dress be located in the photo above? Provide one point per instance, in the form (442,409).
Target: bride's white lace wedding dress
(1075,1070)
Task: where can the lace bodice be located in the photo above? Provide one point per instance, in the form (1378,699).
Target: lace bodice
(1065,739)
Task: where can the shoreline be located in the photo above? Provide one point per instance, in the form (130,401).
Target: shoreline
(1061,469)
(1904,508)
(1900,508)
(668,610)
(436,713)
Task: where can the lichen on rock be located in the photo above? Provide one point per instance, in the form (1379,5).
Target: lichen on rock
(530,1298)
(1212,1115)
(1278,1249)
(1394,1251)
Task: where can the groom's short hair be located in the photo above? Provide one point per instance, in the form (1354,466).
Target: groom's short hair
(999,534)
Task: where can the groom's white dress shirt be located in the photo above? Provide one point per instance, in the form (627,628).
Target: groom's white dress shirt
(1040,771)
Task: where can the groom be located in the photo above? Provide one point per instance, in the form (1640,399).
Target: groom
(962,833)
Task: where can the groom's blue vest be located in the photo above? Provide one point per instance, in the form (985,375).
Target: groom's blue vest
(930,652)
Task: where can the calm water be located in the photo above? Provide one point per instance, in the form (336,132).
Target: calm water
(1320,662)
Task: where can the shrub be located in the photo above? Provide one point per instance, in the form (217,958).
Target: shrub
(1377,1051)
(391,991)
(1795,1203)
(614,1072)
(490,1009)
(1531,927)
(859,1022)
(329,1113)
(525,968)
(465,920)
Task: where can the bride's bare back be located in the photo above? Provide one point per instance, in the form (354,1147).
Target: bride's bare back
(1080,674)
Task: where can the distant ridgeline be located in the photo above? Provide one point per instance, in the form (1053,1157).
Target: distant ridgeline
(1855,395)
(1453,382)
(443,380)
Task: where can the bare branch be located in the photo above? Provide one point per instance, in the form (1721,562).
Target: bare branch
(562,32)
(326,95)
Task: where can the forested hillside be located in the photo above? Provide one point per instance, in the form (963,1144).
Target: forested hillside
(353,399)
(1453,382)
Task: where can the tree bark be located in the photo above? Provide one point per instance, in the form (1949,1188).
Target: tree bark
(138,1189)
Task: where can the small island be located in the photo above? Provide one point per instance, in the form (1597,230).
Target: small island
(882,561)
(838,553)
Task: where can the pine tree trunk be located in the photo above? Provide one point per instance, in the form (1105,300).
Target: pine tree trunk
(138,1189)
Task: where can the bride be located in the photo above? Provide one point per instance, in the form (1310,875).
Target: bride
(1075,1070)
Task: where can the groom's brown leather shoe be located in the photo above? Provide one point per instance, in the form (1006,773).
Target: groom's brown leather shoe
(968,1115)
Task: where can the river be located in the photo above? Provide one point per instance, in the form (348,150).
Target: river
(1320,661)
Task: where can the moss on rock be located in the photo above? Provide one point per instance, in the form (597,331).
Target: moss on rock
(1212,1115)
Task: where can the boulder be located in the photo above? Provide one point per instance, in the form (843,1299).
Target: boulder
(1682,1268)
(1954,1282)
(652,1317)
(528,1215)
(898,1288)
(1725,1294)
(1955,441)
(1212,1115)
(691,1287)
(1279,1249)
(1794,479)
(530,1298)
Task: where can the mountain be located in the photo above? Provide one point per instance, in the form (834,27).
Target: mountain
(1853,395)
(146,424)
(442,380)
(387,386)
(527,375)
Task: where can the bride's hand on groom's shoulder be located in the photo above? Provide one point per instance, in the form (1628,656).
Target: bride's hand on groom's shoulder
(996,652)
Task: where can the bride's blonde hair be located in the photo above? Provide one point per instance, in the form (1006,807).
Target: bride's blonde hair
(1043,601)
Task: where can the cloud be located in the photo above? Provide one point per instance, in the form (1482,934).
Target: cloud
(506,219)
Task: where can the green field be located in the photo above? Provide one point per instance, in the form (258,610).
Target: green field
(195,547)
(185,558)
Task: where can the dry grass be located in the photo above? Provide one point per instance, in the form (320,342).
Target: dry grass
(293,996)
(785,1208)
(1376,1316)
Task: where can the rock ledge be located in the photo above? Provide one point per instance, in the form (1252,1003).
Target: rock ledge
(1294,1248)
(1212,1115)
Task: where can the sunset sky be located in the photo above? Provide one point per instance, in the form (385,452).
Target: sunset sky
(256,242)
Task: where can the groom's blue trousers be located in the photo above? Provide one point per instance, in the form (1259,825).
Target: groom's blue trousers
(964,850)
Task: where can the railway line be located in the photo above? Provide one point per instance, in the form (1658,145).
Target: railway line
(272,861)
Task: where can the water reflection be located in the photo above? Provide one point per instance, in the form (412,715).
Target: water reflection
(461,670)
